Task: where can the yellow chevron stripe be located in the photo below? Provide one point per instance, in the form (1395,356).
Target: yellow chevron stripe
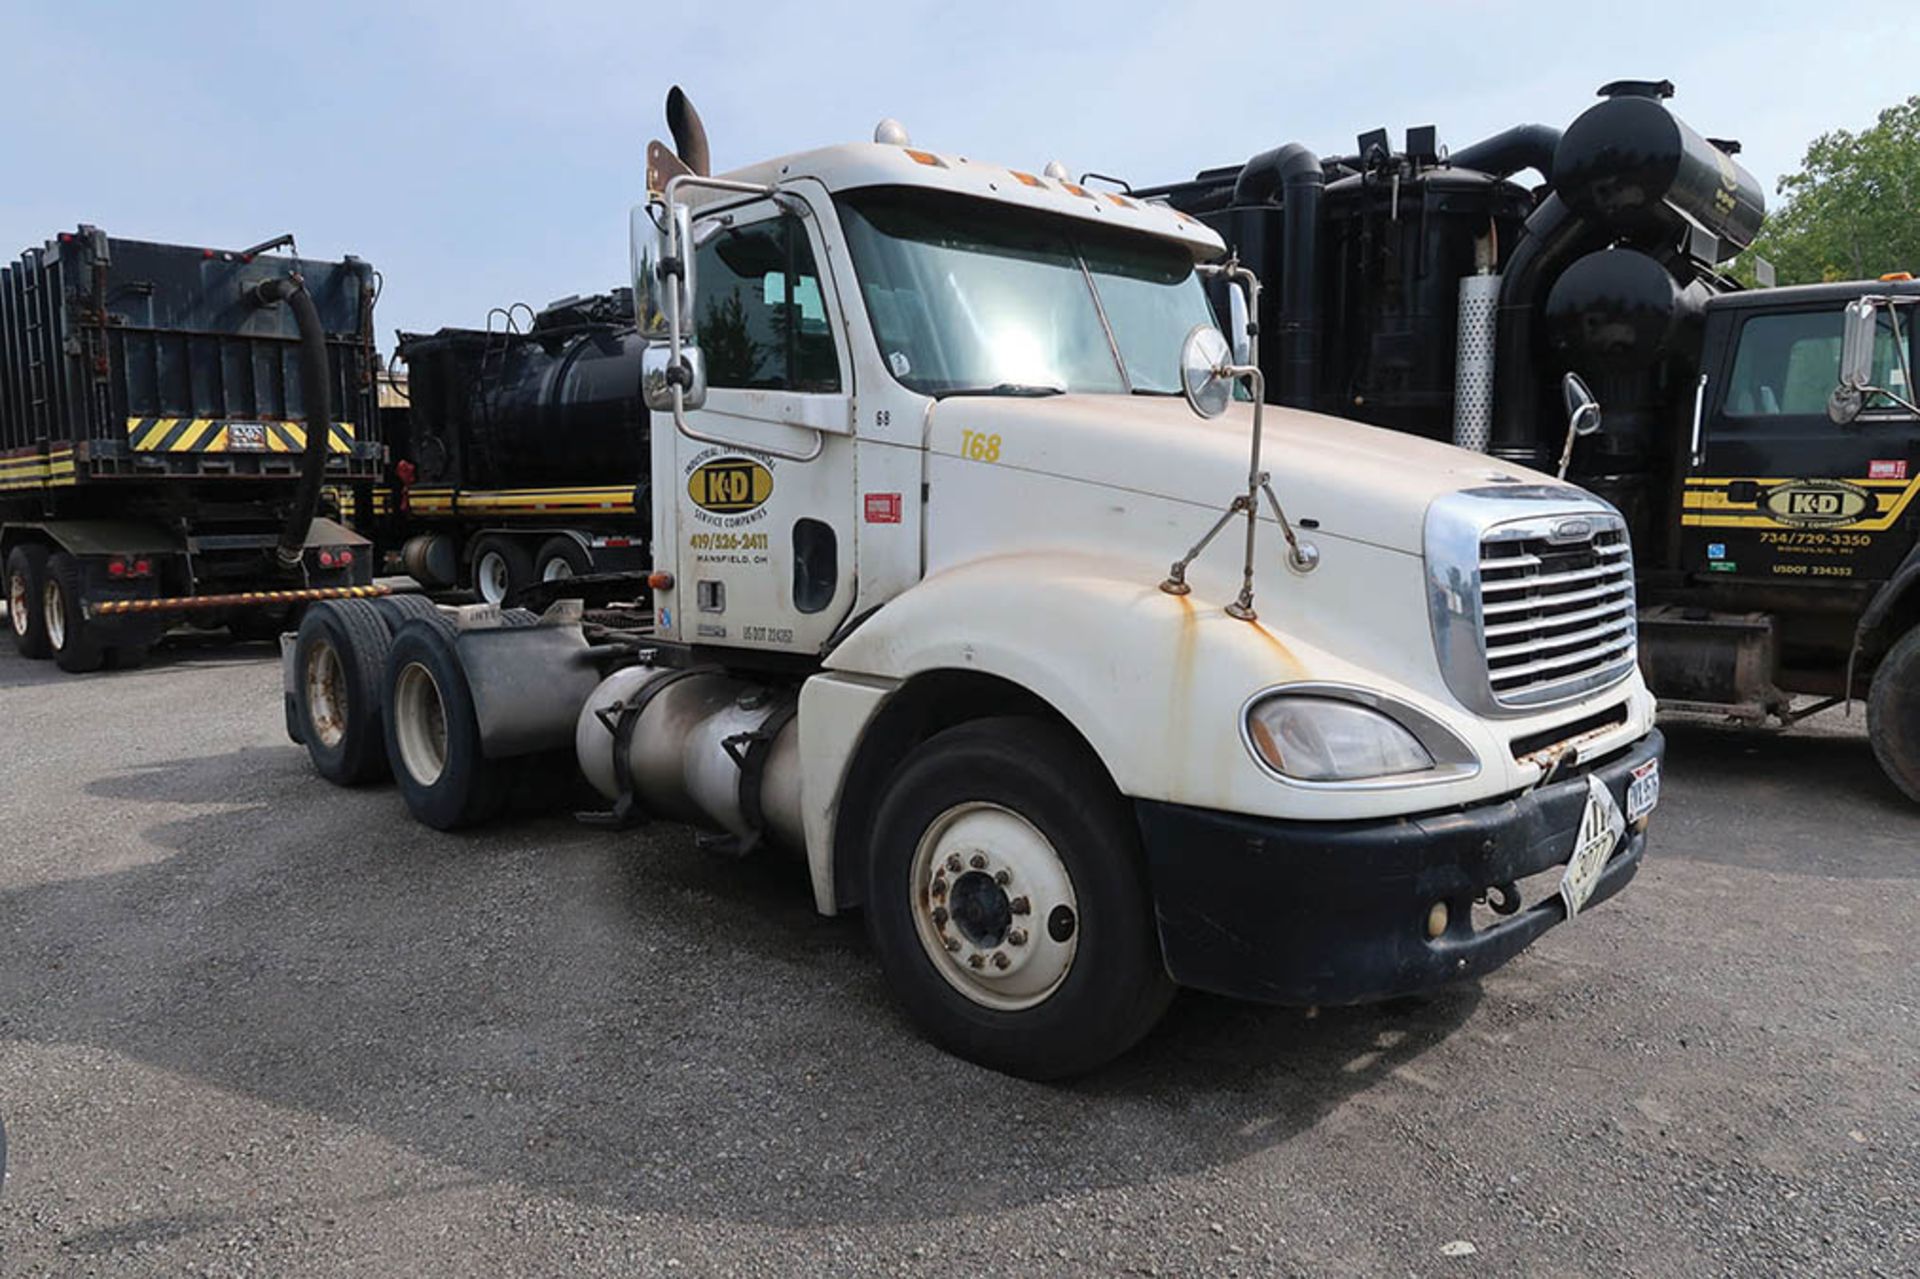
(209,435)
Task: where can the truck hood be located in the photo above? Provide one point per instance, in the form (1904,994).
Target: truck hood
(1355,481)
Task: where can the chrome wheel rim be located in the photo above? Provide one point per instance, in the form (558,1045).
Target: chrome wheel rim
(326,694)
(556,570)
(490,577)
(17,602)
(420,724)
(54,601)
(994,906)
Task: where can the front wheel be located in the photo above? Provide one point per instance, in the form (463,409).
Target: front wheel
(1893,714)
(1007,899)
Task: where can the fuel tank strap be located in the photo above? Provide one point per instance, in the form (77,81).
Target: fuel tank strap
(620,720)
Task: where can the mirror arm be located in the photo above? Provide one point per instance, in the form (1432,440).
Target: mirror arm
(677,375)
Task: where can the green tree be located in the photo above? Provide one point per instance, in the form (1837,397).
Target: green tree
(1853,210)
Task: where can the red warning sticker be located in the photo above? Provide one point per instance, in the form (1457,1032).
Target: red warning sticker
(883,508)
(1892,469)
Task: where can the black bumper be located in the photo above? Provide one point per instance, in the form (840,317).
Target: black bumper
(1336,912)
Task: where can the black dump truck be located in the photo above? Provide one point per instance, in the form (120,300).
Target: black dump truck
(516,451)
(169,419)
(1763,446)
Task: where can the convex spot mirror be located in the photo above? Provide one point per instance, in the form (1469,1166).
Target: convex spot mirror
(1583,410)
(1204,380)
(657,389)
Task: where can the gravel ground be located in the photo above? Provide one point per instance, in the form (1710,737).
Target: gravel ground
(251,1024)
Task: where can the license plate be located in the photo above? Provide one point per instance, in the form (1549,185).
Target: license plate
(1643,792)
(246,437)
(1601,827)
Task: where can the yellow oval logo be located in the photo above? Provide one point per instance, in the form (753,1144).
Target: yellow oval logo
(730,485)
(1817,503)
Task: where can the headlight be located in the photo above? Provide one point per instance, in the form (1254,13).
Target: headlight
(1317,739)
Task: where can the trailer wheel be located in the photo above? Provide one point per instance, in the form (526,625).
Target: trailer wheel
(1007,898)
(433,736)
(338,657)
(501,566)
(560,558)
(1893,714)
(26,606)
(73,640)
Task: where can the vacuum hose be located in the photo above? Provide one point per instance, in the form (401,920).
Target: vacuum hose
(316,394)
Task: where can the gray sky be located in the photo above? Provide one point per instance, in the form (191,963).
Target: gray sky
(483,153)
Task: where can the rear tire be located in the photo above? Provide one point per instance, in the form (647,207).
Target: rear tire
(397,610)
(1039,955)
(338,657)
(73,640)
(26,589)
(501,568)
(559,558)
(1893,714)
(432,733)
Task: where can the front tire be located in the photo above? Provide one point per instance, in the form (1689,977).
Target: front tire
(26,588)
(1007,898)
(1893,714)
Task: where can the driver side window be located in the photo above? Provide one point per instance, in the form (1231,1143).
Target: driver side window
(761,317)
(1786,365)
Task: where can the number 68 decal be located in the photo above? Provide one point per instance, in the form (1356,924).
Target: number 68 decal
(978,447)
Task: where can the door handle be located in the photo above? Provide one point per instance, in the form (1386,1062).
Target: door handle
(1699,420)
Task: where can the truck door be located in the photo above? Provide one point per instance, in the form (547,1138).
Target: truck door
(763,480)
(1780,491)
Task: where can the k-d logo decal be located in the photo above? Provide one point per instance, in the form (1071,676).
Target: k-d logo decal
(1817,503)
(730,485)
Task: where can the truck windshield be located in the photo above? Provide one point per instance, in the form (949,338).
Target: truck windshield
(972,297)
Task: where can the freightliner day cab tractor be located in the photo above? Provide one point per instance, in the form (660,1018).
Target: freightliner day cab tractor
(1776,534)
(977,587)
(159,454)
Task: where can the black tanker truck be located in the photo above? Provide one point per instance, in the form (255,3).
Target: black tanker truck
(1764,445)
(169,419)
(520,454)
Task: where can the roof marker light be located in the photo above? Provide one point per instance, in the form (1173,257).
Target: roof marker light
(927,158)
(1028,178)
(1074,190)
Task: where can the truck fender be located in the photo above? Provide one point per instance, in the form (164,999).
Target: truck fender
(1153,682)
(1896,590)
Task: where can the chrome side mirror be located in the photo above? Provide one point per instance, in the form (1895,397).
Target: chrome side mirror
(1239,324)
(1204,361)
(656,379)
(1860,326)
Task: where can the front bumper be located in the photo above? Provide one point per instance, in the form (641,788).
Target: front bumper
(1296,912)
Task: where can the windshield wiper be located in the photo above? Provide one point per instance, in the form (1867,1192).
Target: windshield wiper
(1029,389)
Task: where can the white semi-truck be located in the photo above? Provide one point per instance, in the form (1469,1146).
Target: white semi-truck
(982,585)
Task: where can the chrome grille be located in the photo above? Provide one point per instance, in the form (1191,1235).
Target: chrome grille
(1556,608)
